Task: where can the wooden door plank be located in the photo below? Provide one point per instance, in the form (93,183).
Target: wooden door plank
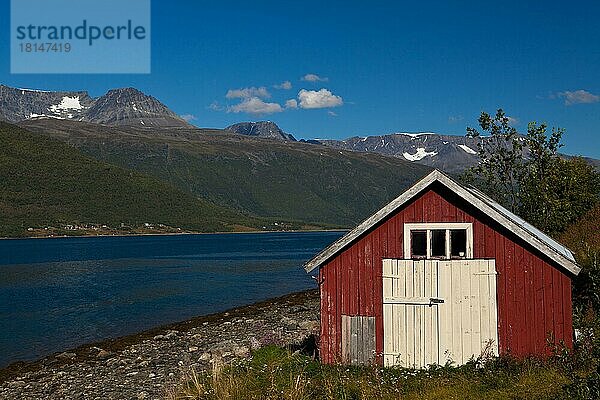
(371,341)
(359,340)
(445,316)
(401,314)
(387,310)
(466,312)
(353,341)
(493,307)
(345,340)
(418,326)
(478,270)
(456,313)
(408,331)
(485,302)
(435,334)
(428,314)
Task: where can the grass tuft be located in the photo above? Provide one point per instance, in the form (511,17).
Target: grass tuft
(276,373)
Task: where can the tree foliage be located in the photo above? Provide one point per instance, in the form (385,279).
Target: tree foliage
(554,198)
(527,174)
(583,238)
(500,170)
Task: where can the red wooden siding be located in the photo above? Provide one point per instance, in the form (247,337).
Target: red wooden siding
(534,298)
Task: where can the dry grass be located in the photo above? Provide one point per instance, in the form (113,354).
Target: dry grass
(274,373)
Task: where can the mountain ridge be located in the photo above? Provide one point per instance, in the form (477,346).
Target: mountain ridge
(131,107)
(446,152)
(123,106)
(262,129)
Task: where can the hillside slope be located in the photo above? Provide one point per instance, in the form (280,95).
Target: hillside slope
(46,182)
(275,179)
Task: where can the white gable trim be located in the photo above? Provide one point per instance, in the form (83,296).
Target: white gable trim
(506,219)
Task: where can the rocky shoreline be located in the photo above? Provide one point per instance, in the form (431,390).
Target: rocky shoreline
(145,365)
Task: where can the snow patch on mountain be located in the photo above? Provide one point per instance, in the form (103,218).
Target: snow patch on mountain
(419,155)
(467,149)
(23,90)
(41,116)
(67,103)
(413,135)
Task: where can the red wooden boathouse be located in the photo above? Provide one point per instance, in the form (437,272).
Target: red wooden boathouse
(442,273)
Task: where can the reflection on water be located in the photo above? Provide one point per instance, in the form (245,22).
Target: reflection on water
(58,293)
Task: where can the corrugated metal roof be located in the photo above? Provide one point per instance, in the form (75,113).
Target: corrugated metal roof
(526,225)
(542,242)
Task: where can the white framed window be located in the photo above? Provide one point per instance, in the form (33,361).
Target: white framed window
(438,240)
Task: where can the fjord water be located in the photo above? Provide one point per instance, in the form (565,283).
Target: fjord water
(59,293)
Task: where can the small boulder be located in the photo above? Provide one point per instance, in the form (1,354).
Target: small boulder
(103,354)
(241,351)
(66,356)
(289,323)
(311,326)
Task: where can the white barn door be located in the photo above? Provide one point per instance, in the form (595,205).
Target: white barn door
(469,316)
(438,311)
(410,313)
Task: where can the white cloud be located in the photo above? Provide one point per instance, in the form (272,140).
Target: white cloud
(246,93)
(188,117)
(453,119)
(332,113)
(215,106)
(512,121)
(318,99)
(313,78)
(254,105)
(291,103)
(578,97)
(287,85)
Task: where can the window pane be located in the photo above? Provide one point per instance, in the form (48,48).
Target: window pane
(458,243)
(438,243)
(418,242)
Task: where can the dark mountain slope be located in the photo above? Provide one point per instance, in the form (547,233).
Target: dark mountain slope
(46,182)
(131,107)
(262,129)
(276,179)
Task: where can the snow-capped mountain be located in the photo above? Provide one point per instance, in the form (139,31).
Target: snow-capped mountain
(117,107)
(22,104)
(446,152)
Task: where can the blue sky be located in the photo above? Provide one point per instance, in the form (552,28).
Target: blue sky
(385,66)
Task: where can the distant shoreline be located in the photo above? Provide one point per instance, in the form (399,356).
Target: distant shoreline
(170,234)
